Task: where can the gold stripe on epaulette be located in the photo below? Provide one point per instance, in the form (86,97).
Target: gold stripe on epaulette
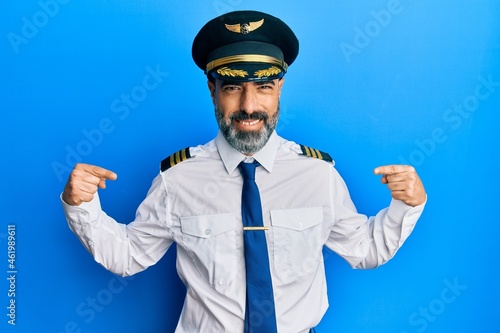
(175,159)
(307,151)
(311,152)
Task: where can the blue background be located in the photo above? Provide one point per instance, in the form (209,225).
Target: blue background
(376,82)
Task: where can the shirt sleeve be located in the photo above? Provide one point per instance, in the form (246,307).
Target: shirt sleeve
(368,242)
(124,249)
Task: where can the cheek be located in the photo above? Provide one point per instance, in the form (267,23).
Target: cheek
(226,107)
(272,107)
(222,113)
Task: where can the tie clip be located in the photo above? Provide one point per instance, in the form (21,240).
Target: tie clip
(255,228)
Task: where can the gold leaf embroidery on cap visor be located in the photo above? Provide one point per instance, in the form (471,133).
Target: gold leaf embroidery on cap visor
(244,28)
(268,72)
(226,71)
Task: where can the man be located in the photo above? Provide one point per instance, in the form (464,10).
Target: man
(250,254)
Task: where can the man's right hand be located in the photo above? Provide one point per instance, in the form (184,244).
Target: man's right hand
(83,183)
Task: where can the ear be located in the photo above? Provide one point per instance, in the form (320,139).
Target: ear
(211,88)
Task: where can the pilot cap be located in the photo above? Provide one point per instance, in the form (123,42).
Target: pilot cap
(245,46)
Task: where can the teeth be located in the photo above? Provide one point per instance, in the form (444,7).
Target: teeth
(250,123)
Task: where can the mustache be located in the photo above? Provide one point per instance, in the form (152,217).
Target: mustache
(242,115)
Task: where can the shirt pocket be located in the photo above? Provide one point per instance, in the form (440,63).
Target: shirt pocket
(210,242)
(297,241)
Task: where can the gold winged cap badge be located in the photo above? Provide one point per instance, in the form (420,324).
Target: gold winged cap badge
(244,28)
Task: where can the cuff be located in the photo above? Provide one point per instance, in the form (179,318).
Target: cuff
(86,212)
(399,211)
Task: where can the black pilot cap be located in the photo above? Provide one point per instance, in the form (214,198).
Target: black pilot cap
(245,46)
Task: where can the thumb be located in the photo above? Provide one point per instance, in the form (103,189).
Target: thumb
(380,171)
(108,175)
(102,183)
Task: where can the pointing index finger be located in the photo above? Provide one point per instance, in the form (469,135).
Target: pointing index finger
(393,169)
(98,171)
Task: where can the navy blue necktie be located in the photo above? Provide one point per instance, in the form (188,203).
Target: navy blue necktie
(260,314)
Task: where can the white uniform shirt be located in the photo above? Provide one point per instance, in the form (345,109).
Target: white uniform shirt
(197,204)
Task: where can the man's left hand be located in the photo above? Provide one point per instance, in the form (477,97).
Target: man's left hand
(404,183)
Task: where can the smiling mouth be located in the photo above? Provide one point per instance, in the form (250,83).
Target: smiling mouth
(249,122)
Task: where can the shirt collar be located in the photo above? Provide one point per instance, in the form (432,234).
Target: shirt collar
(232,157)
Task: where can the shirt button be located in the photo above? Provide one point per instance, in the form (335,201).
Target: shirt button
(300,225)
(207,231)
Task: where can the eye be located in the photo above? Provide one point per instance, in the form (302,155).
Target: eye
(230,88)
(266,86)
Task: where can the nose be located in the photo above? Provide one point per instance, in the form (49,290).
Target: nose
(248,102)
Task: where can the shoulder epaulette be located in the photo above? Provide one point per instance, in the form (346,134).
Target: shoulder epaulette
(311,152)
(174,159)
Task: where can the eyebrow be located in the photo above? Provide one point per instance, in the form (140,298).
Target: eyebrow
(260,83)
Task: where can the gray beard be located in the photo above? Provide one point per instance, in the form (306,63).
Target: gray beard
(247,142)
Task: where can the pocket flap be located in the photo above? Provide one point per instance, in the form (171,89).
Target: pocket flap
(297,219)
(206,226)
